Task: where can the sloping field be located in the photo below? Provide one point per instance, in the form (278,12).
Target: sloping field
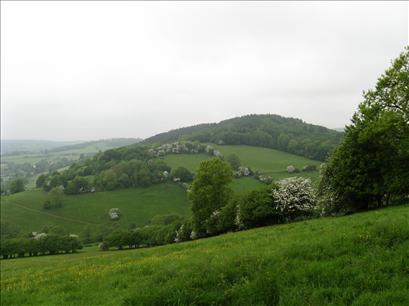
(361,259)
(264,160)
(138,206)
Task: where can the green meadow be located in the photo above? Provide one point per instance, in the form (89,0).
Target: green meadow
(265,161)
(138,206)
(360,259)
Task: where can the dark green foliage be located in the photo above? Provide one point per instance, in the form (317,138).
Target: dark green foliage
(209,191)
(54,198)
(371,166)
(41,180)
(234,161)
(49,244)
(226,220)
(166,219)
(121,168)
(16,185)
(271,131)
(9,229)
(184,231)
(257,209)
(119,238)
(183,174)
(147,236)
(78,185)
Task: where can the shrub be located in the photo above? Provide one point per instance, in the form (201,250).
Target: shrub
(103,246)
(184,232)
(293,197)
(114,214)
(257,209)
(292,169)
(183,174)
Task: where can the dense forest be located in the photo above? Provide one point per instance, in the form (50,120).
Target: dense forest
(271,131)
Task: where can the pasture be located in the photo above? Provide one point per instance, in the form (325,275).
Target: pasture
(359,259)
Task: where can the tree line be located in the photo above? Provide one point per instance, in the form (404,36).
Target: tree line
(43,244)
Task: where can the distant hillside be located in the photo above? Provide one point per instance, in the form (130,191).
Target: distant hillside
(11,146)
(271,131)
(98,145)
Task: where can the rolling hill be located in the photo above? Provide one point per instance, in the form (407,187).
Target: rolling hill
(138,206)
(360,259)
(271,131)
(10,146)
(67,150)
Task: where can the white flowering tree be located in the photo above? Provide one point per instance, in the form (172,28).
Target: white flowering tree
(294,196)
(114,214)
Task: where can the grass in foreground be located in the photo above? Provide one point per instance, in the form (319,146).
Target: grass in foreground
(362,259)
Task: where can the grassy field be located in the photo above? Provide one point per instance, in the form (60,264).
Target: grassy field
(245,184)
(266,161)
(137,205)
(361,259)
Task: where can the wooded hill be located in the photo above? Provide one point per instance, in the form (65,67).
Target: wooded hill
(270,131)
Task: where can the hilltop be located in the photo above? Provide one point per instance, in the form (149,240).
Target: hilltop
(272,131)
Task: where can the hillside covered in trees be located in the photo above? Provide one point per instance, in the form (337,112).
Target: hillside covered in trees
(271,131)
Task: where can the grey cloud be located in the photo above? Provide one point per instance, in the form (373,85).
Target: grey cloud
(73,70)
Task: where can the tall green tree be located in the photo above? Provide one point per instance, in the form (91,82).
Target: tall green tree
(210,191)
(54,198)
(234,161)
(371,165)
(16,185)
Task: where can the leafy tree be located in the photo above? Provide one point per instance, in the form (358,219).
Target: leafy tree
(78,185)
(257,209)
(210,191)
(184,174)
(16,185)
(234,161)
(118,238)
(371,165)
(41,180)
(109,180)
(54,198)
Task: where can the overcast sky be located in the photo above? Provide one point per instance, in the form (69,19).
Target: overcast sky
(91,70)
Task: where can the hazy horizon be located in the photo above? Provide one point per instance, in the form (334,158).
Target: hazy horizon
(96,139)
(80,71)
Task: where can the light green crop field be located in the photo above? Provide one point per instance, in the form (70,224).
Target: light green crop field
(265,161)
(137,205)
(189,161)
(361,259)
(245,184)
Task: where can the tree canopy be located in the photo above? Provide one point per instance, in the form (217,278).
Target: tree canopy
(209,191)
(371,165)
